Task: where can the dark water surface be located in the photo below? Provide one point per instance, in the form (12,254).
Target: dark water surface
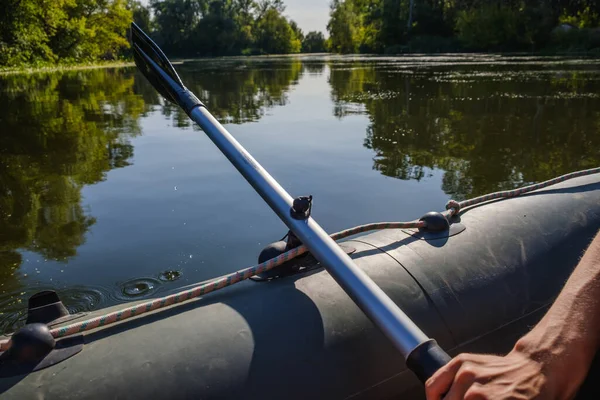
(107,194)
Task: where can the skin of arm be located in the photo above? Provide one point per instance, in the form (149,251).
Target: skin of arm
(549,362)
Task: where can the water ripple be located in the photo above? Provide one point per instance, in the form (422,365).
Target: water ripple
(137,288)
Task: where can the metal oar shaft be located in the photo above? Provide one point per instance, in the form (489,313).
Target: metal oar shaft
(423,355)
(397,326)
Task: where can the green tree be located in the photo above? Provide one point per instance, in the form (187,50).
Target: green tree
(297,31)
(225,27)
(274,35)
(175,22)
(36,31)
(105,24)
(26,29)
(141,15)
(441,25)
(344,27)
(218,32)
(490,27)
(262,6)
(314,42)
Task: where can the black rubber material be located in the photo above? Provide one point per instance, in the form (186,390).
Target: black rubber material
(302,337)
(33,341)
(45,307)
(422,234)
(426,359)
(299,265)
(11,366)
(273,250)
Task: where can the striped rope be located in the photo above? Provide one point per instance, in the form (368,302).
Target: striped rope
(211,286)
(453,208)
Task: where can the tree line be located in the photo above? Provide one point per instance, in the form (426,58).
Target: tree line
(394,26)
(228,27)
(39,32)
(36,32)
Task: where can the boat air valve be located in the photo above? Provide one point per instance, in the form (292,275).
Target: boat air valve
(33,347)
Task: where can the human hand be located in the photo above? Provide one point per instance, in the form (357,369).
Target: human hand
(485,377)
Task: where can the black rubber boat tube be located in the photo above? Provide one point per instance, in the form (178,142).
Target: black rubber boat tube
(423,355)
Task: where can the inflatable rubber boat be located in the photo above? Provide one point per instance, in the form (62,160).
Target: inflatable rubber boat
(476,287)
(473,278)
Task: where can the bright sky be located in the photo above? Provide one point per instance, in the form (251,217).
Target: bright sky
(310,15)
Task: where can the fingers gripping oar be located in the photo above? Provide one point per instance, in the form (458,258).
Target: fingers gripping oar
(423,355)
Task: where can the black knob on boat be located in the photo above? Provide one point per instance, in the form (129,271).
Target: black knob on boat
(30,343)
(301,207)
(435,222)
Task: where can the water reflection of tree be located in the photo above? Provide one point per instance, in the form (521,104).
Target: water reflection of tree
(237,91)
(313,66)
(486,132)
(60,132)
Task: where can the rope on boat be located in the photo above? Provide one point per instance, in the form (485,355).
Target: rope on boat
(453,208)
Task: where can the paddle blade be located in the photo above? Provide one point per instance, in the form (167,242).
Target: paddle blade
(159,71)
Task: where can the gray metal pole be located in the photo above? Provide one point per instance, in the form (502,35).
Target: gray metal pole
(423,356)
(396,325)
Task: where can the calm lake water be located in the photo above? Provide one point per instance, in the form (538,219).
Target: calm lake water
(104,188)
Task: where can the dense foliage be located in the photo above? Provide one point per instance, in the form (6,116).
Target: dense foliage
(314,42)
(38,32)
(193,28)
(394,26)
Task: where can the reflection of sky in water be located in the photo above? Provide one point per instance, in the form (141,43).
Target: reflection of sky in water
(339,133)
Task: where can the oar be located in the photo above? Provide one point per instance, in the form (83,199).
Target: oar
(423,355)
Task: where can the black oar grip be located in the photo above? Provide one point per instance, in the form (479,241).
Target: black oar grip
(426,359)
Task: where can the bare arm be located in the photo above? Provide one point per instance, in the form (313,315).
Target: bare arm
(550,362)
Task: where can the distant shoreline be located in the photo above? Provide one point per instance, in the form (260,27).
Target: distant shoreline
(122,64)
(66,67)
